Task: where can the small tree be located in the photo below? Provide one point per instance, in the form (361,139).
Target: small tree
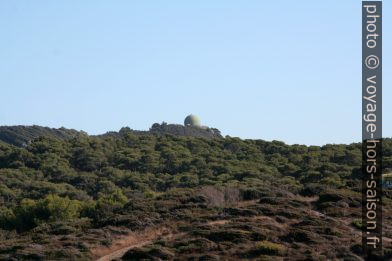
(60,208)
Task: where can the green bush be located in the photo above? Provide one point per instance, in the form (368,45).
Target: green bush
(60,208)
(31,213)
(269,248)
(358,224)
(115,199)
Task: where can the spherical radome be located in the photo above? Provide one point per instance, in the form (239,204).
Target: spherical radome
(192,120)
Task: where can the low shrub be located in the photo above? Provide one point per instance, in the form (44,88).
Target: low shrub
(358,224)
(270,248)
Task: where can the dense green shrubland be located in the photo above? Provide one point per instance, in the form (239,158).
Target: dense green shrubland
(92,173)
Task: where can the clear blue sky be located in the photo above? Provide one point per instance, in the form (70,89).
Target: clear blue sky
(284,70)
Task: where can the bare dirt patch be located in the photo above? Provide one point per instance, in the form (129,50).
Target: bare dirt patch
(132,240)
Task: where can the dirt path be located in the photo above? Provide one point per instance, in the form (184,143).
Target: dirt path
(148,236)
(140,239)
(133,240)
(119,253)
(136,240)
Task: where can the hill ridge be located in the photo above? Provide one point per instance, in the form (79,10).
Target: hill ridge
(21,135)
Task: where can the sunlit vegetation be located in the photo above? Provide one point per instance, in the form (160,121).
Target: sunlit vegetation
(80,188)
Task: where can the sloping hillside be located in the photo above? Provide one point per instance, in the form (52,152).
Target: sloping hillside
(191,198)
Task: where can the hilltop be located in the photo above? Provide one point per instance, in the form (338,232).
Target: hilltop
(22,135)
